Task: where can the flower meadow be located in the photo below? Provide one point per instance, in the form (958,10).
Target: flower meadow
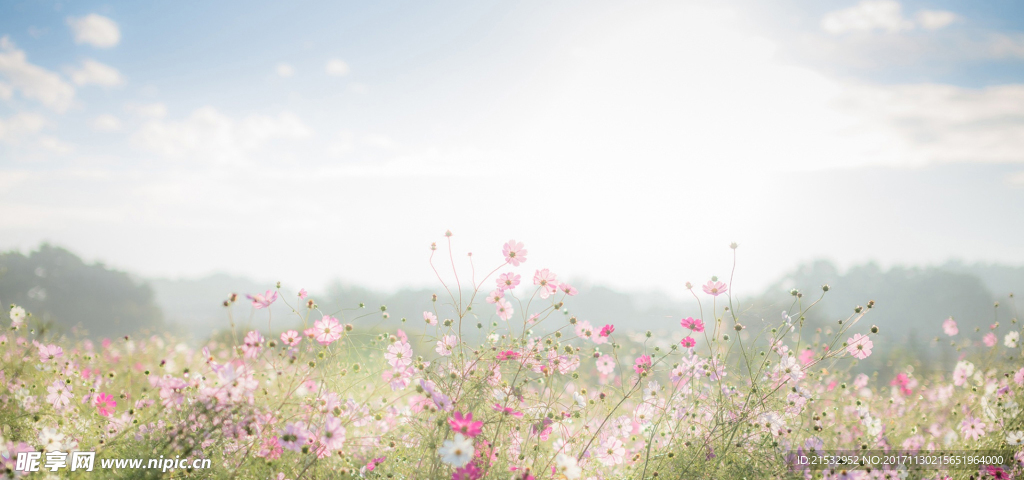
(499,380)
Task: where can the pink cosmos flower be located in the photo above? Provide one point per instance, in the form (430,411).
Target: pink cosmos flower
(860,382)
(606,330)
(446,344)
(465,424)
(611,452)
(332,436)
(859,346)
(303,293)
(989,339)
(972,428)
(294,436)
(508,281)
(1019,377)
(263,301)
(695,324)
(470,471)
(903,382)
(399,378)
(327,330)
(430,318)
(399,354)
(806,356)
(949,326)
(507,410)
(606,364)
(59,394)
(688,342)
(568,289)
(514,253)
(642,364)
(495,296)
(715,288)
(291,338)
(253,343)
(50,352)
(507,355)
(105,404)
(547,281)
(504,309)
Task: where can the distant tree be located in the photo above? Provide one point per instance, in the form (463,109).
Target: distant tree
(57,286)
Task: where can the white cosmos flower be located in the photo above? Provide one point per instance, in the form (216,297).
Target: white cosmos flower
(566,465)
(1011,339)
(457,452)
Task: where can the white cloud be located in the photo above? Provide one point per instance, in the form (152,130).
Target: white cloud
(14,128)
(32,81)
(337,68)
(106,123)
(867,15)
(209,135)
(1001,45)
(935,19)
(148,110)
(6,91)
(96,30)
(1016,178)
(284,70)
(96,73)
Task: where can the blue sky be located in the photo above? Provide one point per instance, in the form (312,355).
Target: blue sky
(626,143)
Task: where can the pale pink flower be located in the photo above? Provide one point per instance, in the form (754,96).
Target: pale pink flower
(715,288)
(399,378)
(303,293)
(430,318)
(949,326)
(446,344)
(611,452)
(332,436)
(989,339)
(508,281)
(399,354)
(263,301)
(962,371)
(859,346)
(50,352)
(972,428)
(568,289)
(606,364)
(860,382)
(252,344)
(294,436)
(504,309)
(585,330)
(806,356)
(1019,377)
(291,338)
(495,296)
(514,253)
(547,281)
(59,394)
(327,330)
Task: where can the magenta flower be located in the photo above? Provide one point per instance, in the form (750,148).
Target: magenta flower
(688,342)
(291,338)
(465,424)
(50,352)
(695,324)
(643,364)
(467,472)
(859,346)
(508,281)
(327,330)
(105,404)
(514,253)
(263,301)
(606,330)
(949,326)
(715,288)
(507,355)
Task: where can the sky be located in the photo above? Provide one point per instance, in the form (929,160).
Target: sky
(625,143)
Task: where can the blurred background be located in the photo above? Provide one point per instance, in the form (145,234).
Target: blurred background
(155,157)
